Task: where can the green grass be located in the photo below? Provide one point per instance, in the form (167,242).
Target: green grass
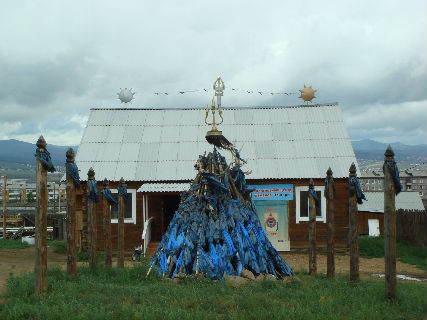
(373,247)
(6,244)
(59,246)
(127,294)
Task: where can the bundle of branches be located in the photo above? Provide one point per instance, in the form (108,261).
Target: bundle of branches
(215,230)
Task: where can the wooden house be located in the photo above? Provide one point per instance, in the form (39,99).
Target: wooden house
(155,150)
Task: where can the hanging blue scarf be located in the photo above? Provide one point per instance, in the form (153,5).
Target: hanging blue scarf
(329,181)
(395,175)
(109,196)
(314,195)
(73,171)
(164,263)
(93,191)
(123,192)
(359,193)
(45,159)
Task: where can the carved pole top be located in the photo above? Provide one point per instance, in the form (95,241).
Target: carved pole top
(311,184)
(70,155)
(352,170)
(122,182)
(329,173)
(106,184)
(91,174)
(389,154)
(41,144)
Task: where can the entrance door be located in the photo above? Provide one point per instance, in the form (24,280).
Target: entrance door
(273,215)
(170,205)
(374,227)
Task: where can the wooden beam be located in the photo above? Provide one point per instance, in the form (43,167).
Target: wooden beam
(91,224)
(107,228)
(353,230)
(121,228)
(71,220)
(330,226)
(389,226)
(40,265)
(312,263)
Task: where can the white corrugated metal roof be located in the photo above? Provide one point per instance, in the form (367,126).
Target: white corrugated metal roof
(404,200)
(164,187)
(163,144)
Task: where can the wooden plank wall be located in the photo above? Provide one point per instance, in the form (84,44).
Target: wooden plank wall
(364,216)
(298,232)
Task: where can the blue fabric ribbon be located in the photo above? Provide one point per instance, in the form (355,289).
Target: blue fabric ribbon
(328,182)
(359,193)
(45,159)
(395,175)
(123,192)
(109,196)
(93,195)
(314,195)
(73,172)
(164,263)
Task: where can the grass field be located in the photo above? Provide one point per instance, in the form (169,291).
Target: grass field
(127,294)
(373,247)
(6,244)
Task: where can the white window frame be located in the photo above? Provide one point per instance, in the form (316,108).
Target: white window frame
(128,220)
(298,218)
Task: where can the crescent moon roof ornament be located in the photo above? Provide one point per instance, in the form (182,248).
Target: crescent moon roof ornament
(307,94)
(125,95)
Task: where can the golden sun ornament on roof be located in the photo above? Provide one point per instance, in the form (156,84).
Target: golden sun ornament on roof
(307,94)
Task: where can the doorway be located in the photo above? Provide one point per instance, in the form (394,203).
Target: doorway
(170,205)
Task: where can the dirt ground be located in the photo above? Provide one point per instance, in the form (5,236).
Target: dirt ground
(18,261)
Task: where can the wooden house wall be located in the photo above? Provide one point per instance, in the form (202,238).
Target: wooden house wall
(364,216)
(298,232)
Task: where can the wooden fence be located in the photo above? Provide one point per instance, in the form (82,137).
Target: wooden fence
(411,226)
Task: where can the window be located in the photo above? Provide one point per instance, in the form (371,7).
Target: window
(301,200)
(130,213)
(408,187)
(373,188)
(380,188)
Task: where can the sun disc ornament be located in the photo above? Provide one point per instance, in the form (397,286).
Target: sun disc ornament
(125,95)
(307,94)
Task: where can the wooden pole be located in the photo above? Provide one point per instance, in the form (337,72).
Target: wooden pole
(353,230)
(91,225)
(4,206)
(71,220)
(330,225)
(107,228)
(40,266)
(121,234)
(312,263)
(389,226)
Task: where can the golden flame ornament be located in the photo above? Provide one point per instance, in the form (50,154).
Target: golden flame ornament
(307,94)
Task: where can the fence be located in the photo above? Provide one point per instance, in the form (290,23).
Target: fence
(411,226)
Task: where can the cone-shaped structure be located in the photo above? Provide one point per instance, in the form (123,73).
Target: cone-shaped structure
(215,230)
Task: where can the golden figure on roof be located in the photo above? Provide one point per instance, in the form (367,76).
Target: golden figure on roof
(307,94)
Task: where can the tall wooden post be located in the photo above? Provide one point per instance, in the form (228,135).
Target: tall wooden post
(121,227)
(40,266)
(389,225)
(91,223)
(107,227)
(330,224)
(353,229)
(4,206)
(71,220)
(312,263)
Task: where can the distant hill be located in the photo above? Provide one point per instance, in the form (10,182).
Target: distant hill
(374,150)
(23,152)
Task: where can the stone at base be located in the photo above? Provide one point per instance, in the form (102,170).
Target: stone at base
(247,274)
(235,281)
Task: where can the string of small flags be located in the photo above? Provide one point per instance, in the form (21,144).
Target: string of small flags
(258,92)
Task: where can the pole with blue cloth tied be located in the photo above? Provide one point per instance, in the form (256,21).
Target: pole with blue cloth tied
(107,202)
(392,187)
(330,223)
(355,196)
(121,226)
(72,182)
(313,203)
(44,164)
(93,198)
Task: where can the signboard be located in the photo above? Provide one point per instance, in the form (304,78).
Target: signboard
(272,192)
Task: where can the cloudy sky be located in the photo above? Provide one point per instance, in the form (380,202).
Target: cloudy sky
(58,60)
